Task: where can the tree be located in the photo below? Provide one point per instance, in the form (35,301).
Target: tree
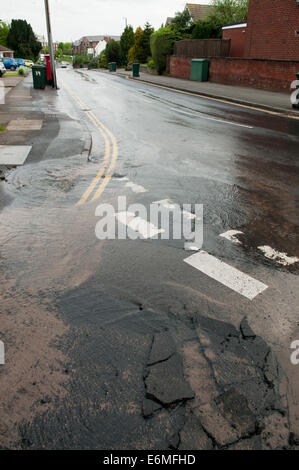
(204,29)
(67,48)
(21,39)
(135,53)
(126,42)
(112,51)
(145,42)
(182,21)
(228,11)
(103,60)
(4,30)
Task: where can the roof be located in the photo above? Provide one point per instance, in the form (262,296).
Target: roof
(199,12)
(4,49)
(235,25)
(95,39)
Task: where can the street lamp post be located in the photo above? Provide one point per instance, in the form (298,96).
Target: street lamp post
(50,42)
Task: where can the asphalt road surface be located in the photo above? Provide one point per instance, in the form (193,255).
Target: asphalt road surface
(143,344)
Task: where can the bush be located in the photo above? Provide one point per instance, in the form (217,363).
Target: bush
(94,63)
(162,42)
(80,59)
(21,72)
(151,64)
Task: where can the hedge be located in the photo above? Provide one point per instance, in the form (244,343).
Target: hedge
(162,42)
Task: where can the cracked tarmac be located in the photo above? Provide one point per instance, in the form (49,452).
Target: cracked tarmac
(119,344)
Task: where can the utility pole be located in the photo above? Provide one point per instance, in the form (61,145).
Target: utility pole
(50,42)
(126,20)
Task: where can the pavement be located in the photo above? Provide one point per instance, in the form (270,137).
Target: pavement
(136,342)
(9,82)
(256,98)
(34,131)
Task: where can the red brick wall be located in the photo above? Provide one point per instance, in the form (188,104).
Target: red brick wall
(274,75)
(180,66)
(271,29)
(237,37)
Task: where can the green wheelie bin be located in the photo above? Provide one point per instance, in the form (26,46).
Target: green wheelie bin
(199,70)
(39,74)
(136,68)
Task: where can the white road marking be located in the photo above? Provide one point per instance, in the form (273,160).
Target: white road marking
(14,154)
(2,353)
(169,204)
(144,228)
(136,188)
(226,274)
(281,258)
(212,119)
(231,236)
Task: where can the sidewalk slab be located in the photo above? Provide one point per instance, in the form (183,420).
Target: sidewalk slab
(14,154)
(25,125)
(11,82)
(252,97)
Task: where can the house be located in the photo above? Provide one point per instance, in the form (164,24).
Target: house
(198,11)
(101,46)
(273,30)
(88,44)
(44,42)
(169,20)
(5,52)
(237,34)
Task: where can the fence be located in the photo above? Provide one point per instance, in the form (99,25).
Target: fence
(202,48)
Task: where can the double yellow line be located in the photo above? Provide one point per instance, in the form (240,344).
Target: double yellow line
(94,190)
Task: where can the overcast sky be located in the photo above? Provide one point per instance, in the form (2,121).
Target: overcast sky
(72,19)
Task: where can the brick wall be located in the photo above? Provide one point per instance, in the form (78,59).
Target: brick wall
(180,66)
(271,30)
(274,75)
(237,37)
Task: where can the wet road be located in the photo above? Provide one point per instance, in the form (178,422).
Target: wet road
(83,318)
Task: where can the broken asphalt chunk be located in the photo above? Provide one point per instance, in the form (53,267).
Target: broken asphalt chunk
(246,330)
(234,407)
(193,437)
(165,382)
(149,407)
(163,348)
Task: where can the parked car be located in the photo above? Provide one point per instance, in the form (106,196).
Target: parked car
(9,63)
(29,63)
(2,69)
(20,62)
